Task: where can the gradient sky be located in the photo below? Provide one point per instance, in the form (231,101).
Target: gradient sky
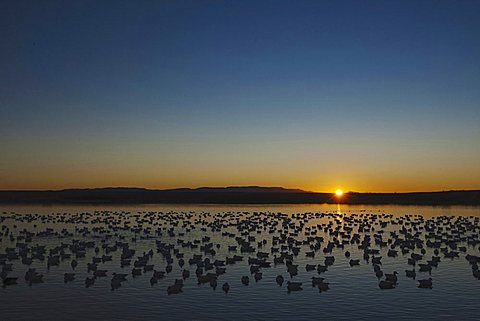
(361,95)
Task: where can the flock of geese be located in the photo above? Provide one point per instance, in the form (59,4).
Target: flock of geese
(204,245)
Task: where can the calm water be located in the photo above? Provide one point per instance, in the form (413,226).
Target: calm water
(353,294)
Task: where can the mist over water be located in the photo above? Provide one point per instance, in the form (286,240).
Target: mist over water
(353,294)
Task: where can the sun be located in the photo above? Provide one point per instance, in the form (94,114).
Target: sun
(339,192)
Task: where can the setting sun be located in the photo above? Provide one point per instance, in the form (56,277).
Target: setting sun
(339,192)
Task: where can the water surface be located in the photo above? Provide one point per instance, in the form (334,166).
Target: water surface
(353,294)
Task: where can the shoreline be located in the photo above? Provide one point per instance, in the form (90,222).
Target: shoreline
(228,196)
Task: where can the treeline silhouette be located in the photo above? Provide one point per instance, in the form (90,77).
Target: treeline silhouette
(235,195)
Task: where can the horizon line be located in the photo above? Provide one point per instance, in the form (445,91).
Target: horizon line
(230,186)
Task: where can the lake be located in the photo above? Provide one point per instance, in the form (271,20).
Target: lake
(354,292)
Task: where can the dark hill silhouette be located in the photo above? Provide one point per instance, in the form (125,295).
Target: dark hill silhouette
(235,195)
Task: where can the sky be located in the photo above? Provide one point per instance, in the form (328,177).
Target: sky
(360,95)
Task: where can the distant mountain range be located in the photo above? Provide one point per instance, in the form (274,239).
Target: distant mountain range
(234,195)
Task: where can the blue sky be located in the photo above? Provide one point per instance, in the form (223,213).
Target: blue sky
(366,95)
